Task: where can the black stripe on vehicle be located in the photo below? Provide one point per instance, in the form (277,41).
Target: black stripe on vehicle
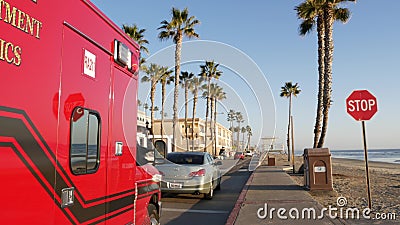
(42,141)
(17,129)
(16,151)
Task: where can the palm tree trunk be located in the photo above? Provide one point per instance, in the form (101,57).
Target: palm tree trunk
(288,132)
(163,92)
(207,109)
(321,70)
(211,124)
(328,14)
(215,126)
(248,141)
(178,48)
(232,134)
(186,114)
(243,143)
(152,95)
(238,136)
(193,116)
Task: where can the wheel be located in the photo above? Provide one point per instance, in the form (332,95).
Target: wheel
(153,214)
(210,193)
(219,184)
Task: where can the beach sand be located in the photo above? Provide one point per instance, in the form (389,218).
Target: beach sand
(349,182)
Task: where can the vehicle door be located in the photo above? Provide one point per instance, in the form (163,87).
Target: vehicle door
(214,168)
(83,129)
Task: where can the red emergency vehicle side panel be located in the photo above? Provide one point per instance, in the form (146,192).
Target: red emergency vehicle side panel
(66,109)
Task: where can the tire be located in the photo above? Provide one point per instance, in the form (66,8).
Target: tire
(210,194)
(218,188)
(153,214)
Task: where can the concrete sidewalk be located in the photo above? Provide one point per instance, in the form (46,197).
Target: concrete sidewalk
(270,187)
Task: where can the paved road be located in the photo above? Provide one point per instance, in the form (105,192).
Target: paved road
(193,210)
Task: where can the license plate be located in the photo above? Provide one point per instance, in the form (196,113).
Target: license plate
(174,185)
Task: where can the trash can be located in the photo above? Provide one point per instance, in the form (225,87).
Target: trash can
(271,161)
(317,169)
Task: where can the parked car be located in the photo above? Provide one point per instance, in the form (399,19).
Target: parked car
(189,173)
(238,155)
(248,153)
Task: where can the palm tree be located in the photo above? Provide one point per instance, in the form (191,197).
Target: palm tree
(249,134)
(312,12)
(288,91)
(137,35)
(180,25)
(184,79)
(231,118)
(208,72)
(194,84)
(215,94)
(165,79)
(154,74)
(243,130)
(331,13)
(219,95)
(208,92)
(239,119)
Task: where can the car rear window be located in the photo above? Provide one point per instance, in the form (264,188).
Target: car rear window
(186,159)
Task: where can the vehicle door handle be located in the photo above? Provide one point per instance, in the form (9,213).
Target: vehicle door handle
(118,148)
(67,197)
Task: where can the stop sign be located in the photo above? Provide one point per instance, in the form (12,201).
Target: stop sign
(361,105)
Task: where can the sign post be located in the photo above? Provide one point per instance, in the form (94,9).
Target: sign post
(362,106)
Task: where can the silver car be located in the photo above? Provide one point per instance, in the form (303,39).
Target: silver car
(189,173)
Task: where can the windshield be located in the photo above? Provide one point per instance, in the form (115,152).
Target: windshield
(186,159)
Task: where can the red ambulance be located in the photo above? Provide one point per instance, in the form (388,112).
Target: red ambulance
(68,117)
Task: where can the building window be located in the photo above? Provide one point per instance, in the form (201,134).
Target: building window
(85,141)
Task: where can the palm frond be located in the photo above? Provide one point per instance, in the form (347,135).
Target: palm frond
(342,14)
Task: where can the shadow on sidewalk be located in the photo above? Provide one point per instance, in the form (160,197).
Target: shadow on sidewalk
(275,187)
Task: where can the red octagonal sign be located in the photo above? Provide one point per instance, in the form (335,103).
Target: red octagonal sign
(361,105)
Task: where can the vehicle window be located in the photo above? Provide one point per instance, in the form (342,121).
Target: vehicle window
(209,159)
(145,153)
(186,159)
(85,139)
(206,159)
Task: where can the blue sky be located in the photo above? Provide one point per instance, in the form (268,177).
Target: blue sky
(366,56)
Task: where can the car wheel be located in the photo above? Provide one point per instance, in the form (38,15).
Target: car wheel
(210,193)
(219,184)
(153,215)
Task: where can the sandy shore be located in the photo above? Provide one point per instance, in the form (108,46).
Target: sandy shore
(349,181)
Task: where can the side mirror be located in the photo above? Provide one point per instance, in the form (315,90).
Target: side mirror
(161,147)
(218,163)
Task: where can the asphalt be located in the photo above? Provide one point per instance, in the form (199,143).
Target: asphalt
(270,196)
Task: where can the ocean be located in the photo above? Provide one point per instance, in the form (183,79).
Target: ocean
(376,155)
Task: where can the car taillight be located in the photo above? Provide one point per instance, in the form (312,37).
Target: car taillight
(199,173)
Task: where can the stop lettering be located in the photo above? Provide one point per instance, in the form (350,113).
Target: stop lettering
(361,105)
